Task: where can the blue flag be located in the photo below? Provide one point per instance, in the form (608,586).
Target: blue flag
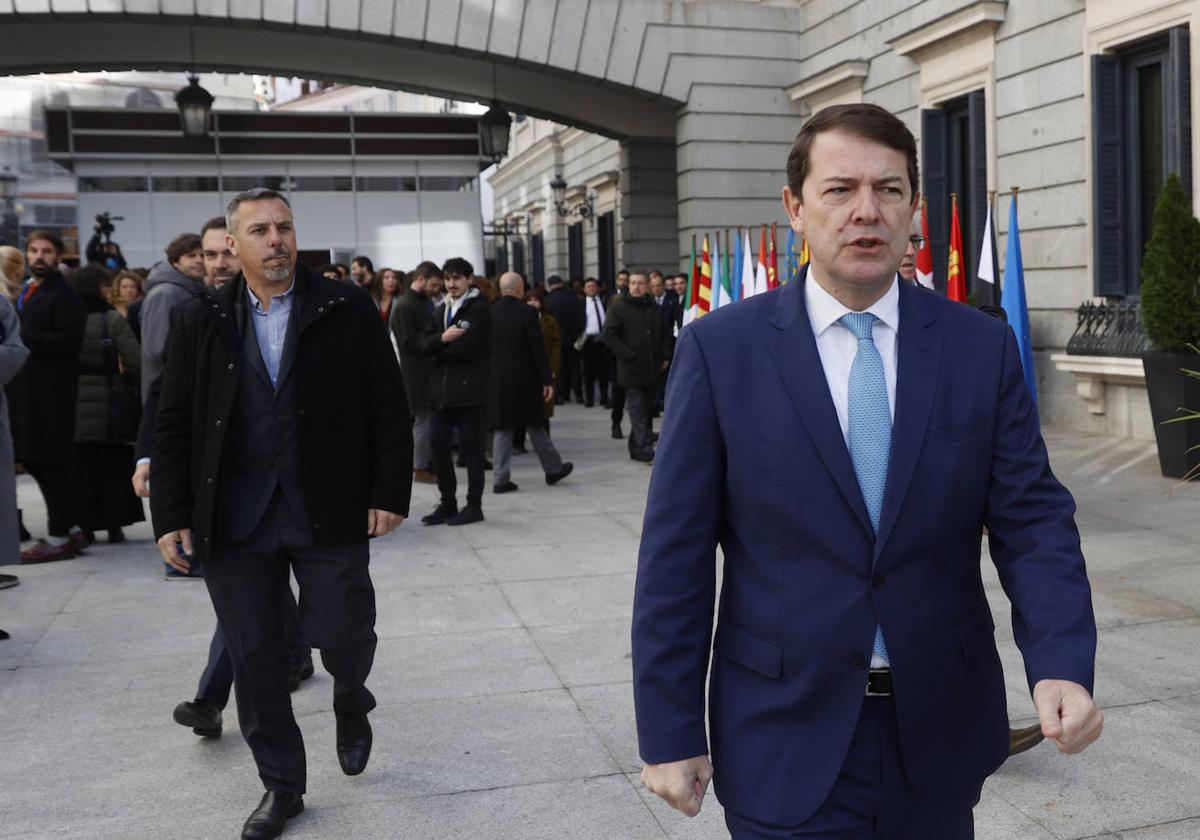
(735,282)
(1012,300)
(789,262)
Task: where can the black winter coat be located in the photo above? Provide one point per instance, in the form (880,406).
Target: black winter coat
(519,366)
(636,334)
(42,396)
(410,319)
(567,309)
(100,378)
(355,427)
(463,366)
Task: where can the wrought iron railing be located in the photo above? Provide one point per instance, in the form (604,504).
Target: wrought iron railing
(1109,329)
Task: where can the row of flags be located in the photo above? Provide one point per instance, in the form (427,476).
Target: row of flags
(730,271)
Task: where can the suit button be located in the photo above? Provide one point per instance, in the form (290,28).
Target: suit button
(316,525)
(230,366)
(208,480)
(219,422)
(303,412)
(858,663)
(877,582)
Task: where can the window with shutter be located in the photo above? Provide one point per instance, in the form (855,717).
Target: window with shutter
(954,162)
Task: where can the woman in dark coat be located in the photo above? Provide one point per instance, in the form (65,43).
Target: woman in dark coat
(552,338)
(109,367)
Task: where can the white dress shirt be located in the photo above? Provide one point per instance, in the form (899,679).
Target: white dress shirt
(837,346)
(593,307)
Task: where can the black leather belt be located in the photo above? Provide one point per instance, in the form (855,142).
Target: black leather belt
(879,682)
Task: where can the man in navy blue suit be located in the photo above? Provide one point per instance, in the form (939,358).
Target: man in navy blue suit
(844,440)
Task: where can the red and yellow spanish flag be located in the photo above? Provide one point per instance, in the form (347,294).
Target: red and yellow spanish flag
(772,262)
(956,282)
(705,290)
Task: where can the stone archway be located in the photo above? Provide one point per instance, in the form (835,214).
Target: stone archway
(709,77)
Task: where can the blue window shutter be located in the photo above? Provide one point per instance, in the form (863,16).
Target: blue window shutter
(1178,103)
(1108,200)
(977,188)
(935,166)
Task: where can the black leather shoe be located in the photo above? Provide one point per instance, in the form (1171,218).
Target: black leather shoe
(298,674)
(353,743)
(1020,740)
(617,432)
(466,516)
(440,514)
(554,478)
(204,719)
(272,814)
(506,487)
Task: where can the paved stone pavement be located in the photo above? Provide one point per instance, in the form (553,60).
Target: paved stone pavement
(503,678)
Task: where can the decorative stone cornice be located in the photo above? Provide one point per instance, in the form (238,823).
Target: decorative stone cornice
(1092,372)
(836,81)
(977,18)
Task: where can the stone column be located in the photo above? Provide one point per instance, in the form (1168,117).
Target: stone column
(649,218)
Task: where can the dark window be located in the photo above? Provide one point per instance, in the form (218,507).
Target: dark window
(575,251)
(606,249)
(537,267)
(954,152)
(1141,133)
(132,183)
(518,257)
(54,214)
(447,183)
(501,259)
(240,183)
(323,183)
(184,183)
(386,183)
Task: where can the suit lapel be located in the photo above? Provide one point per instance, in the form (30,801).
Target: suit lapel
(793,349)
(918,352)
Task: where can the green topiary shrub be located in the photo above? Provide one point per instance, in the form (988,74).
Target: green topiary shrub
(1171,273)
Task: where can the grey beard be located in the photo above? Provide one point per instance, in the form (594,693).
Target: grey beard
(278,274)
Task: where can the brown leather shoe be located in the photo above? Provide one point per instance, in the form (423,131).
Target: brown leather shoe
(43,552)
(81,540)
(425,476)
(1020,740)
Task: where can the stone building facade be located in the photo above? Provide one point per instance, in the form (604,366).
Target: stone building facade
(1083,104)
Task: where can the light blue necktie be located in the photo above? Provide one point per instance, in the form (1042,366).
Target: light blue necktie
(870,425)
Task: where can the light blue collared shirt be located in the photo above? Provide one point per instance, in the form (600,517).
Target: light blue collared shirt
(270,327)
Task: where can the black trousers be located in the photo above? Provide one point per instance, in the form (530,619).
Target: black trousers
(468,422)
(57,483)
(595,370)
(217,678)
(104,495)
(641,402)
(337,615)
(569,380)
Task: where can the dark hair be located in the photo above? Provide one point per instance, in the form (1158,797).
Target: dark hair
(554,280)
(182,244)
(215,223)
(459,266)
(870,122)
(328,267)
(91,282)
(365,262)
(375,286)
(342,268)
(255,194)
(426,270)
(539,294)
(624,271)
(45,236)
(587,280)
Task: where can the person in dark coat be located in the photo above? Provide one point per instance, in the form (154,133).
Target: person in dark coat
(412,315)
(109,366)
(458,339)
(42,396)
(567,309)
(637,337)
(552,339)
(520,382)
(281,444)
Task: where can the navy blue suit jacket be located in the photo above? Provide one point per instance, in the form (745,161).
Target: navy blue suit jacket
(751,449)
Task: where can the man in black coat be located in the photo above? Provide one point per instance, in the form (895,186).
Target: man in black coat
(520,385)
(282,443)
(42,395)
(412,314)
(459,341)
(636,334)
(567,310)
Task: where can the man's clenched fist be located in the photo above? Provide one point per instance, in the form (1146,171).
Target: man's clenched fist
(681,784)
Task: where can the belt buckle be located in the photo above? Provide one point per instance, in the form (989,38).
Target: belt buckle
(880,673)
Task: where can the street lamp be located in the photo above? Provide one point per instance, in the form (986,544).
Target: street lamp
(493,132)
(584,209)
(195,106)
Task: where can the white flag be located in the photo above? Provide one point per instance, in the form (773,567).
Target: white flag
(987,260)
(747,269)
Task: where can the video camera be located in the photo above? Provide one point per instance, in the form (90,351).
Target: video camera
(104,224)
